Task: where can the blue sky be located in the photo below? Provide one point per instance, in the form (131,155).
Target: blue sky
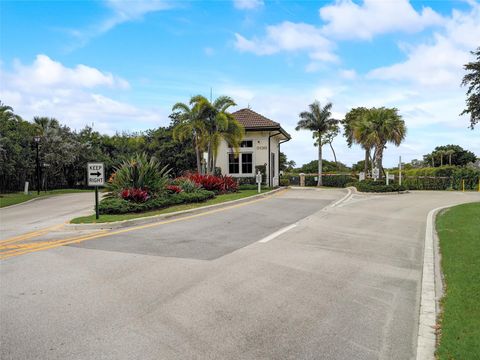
(121,65)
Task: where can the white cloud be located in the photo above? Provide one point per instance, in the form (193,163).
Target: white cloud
(247,4)
(48,88)
(47,73)
(439,62)
(348,20)
(289,37)
(209,51)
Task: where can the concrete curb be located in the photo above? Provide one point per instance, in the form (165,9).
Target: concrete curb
(155,218)
(426,339)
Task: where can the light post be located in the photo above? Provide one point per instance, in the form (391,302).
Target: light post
(37,141)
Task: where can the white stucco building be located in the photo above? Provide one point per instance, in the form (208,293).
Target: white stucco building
(260,146)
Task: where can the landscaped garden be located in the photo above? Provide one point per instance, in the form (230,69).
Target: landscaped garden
(459,331)
(140,187)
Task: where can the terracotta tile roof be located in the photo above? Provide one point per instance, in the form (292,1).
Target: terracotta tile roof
(252,120)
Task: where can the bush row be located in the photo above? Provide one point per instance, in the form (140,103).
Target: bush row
(117,205)
(332,180)
(377,186)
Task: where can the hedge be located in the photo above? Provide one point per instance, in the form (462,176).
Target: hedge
(116,205)
(331,180)
(377,186)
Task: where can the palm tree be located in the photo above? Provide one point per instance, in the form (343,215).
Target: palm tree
(350,123)
(191,126)
(219,124)
(319,121)
(449,153)
(380,126)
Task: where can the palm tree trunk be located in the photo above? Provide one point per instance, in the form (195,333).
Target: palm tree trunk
(441,160)
(450,159)
(197,153)
(367,157)
(333,151)
(378,160)
(319,182)
(209,159)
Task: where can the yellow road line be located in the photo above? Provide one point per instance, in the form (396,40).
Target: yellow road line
(30,235)
(104,233)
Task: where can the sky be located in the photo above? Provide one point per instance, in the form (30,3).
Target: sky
(122,65)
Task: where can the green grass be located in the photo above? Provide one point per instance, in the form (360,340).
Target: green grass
(19,197)
(119,217)
(459,232)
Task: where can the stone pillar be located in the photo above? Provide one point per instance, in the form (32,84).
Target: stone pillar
(302,179)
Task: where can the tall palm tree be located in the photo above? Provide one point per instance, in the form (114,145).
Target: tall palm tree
(219,124)
(449,153)
(380,126)
(191,125)
(318,120)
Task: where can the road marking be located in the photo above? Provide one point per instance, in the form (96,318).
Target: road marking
(277,233)
(428,308)
(104,233)
(30,235)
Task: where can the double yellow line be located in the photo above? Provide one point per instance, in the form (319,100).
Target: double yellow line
(104,233)
(30,235)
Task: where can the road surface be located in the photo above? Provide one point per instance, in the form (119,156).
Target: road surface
(44,212)
(333,282)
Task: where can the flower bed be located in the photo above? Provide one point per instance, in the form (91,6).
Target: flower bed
(377,186)
(139,185)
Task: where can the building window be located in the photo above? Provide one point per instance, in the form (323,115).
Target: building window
(247,163)
(246,144)
(233,164)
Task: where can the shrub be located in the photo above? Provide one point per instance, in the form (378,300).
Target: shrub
(138,172)
(377,186)
(284,182)
(137,195)
(117,205)
(218,184)
(174,189)
(248,187)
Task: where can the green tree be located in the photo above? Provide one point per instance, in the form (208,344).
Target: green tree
(472,80)
(457,156)
(350,125)
(191,125)
(378,127)
(219,124)
(285,164)
(318,120)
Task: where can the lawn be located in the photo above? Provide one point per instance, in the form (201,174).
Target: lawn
(19,197)
(119,217)
(459,232)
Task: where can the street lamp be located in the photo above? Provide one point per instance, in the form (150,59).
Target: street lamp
(37,138)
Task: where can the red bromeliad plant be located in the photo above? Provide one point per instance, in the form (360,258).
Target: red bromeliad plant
(219,184)
(133,194)
(174,189)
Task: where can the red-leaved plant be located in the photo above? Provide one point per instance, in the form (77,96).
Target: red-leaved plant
(174,189)
(133,194)
(219,184)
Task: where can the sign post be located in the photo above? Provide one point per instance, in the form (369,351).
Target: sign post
(259,181)
(96,178)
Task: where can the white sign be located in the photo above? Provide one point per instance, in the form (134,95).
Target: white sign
(361,176)
(391,176)
(96,174)
(258,178)
(376,173)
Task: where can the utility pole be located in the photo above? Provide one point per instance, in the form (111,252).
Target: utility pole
(37,141)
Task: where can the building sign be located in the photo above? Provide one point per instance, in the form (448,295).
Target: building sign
(261,147)
(96,174)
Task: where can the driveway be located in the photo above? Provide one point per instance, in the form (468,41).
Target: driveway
(334,282)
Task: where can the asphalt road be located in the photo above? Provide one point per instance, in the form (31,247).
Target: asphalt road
(342,284)
(44,212)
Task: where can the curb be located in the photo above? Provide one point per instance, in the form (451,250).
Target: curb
(426,338)
(381,193)
(155,218)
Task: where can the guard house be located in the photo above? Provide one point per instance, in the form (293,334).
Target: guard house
(260,146)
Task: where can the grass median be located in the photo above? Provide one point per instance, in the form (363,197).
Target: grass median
(120,217)
(19,197)
(459,233)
